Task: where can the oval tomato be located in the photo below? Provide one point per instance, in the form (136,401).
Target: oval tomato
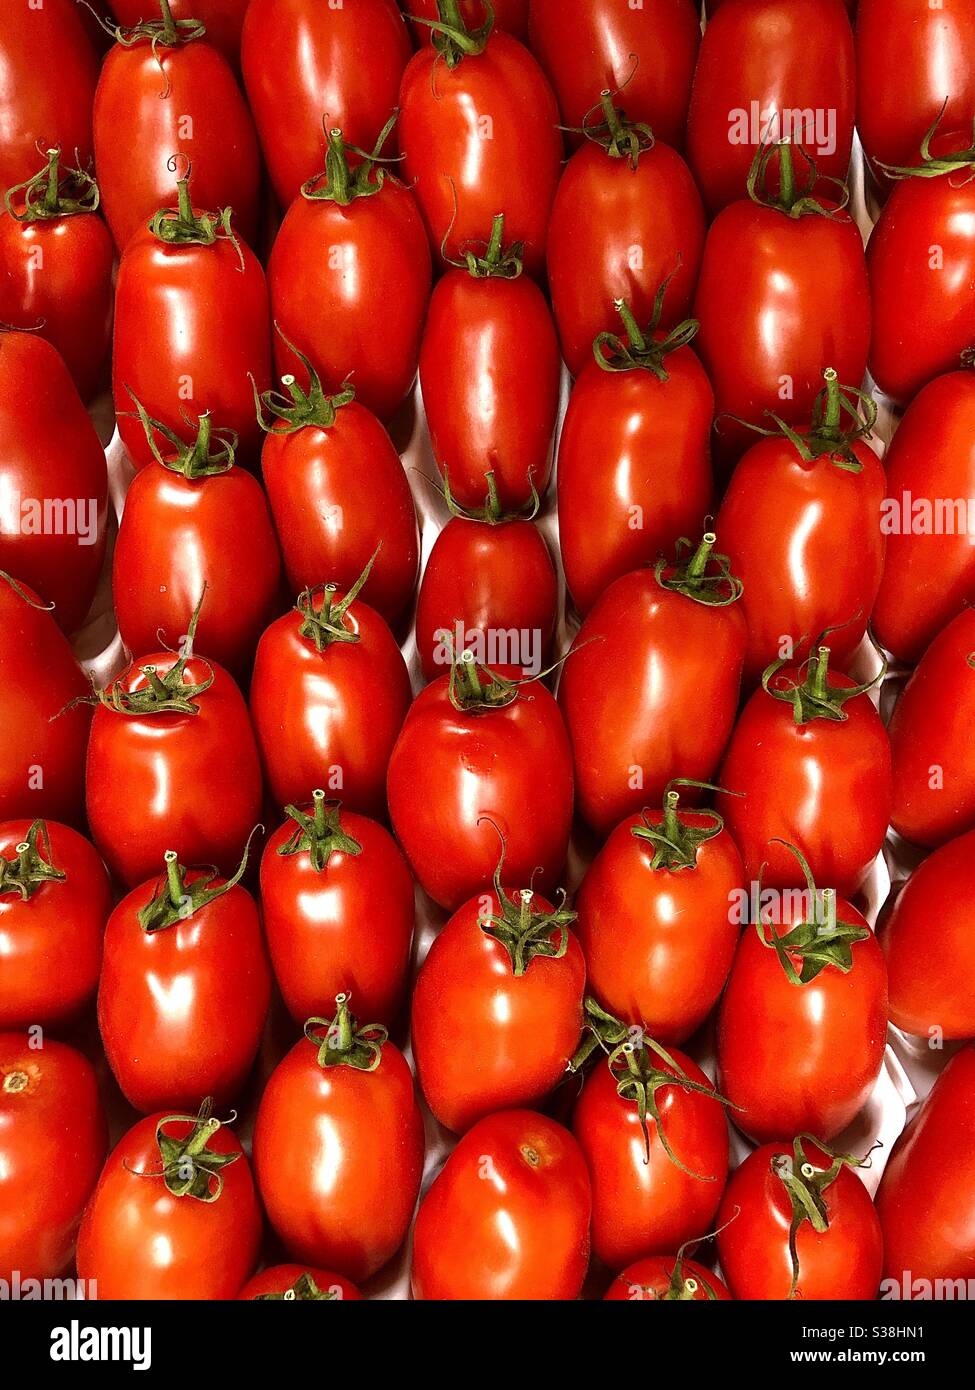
(507,1217)
(509,15)
(222,19)
(338,1146)
(667,1279)
(296,1284)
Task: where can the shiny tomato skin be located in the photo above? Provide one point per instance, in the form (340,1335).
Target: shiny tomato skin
(223,19)
(801,1059)
(490,371)
(53,1124)
(617,233)
(138,1241)
(490,579)
(205,314)
(51,456)
(329,719)
(336,274)
(338,1154)
(452,772)
(649,1279)
(931,748)
(655,697)
(773,56)
(647,1208)
(509,15)
(843,1262)
(347,929)
(462,177)
(929,576)
(659,942)
(524,1235)
(191,783)
(52,942)
(648,51)
(485,1039)
(280,1278)
(634,470)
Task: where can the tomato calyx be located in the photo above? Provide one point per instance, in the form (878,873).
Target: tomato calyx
(322,618)
(300,409)
(619,137)
(341,183)
(212,451)
(496,263)
(524,932)
(806,1185)
(642,350)
(53,192)
(675,841)
(820,941)
(814,697)
(190,1167)
(684,1288)
(319,835)
(168,694)
(164,32)
(303,1290)
(826,437)
(181,226)
(28,873)
(453,38)
(690,577)
(796,197)
(345,1043)
(175,900)
(934,166)
(492,513)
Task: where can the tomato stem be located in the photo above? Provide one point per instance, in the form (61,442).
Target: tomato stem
(453,40)
(345,1043)
(28,873)
(319,835)
(52,193)
(299,409)
(676,842)
(323,622)
(174,900)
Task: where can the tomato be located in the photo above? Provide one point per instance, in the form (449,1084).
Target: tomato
(338,1146)
(328,698)
(174,1215)
(797,1222)
(222,19)
(634,472)
(479,135)
(816,498)
(803,1021)
(655,920)
(45,728)
(353,252)
(49,74)
(169,94)
(770,70)
(53,479)
(645,51)
(930,571)
(337,900)
(509,15)
(810,762)
(507,1217)
(309,68)
(932,752)
(57,258)
(172,764)
(627,216)
(651,684)
(926,1200)
(666,1279)
(180,532)
(295,1283)
(497,1006)
(336,486)
(55,899)
(480,755)
(490,372)
(51,1125)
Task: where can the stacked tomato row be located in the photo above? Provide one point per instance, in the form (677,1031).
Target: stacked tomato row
(538,184)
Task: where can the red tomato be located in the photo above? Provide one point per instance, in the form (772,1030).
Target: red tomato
(770,70)
(55,898)
(328,698)
(930,573)
(56,261)
(311,67)
(338,1146)
(174,1215)
(497,1007)
(479,134)
(797,1222)
(52,1141)
(810,762)
(185,514)
(655,1138)
(627,217)
(815,497)
(295,1283)
(652,684)
(45,730)
(490,372)
(645,51)
(479,756)
(507,1216)
(336,485)
(49,74)
(803,1021)
(53,479)
(337,900)
(634,472)
(222,19)
(926,1200)
(666,1279)
(930,739)
(509,15)
(655,920)
(353,252)
(173,97)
